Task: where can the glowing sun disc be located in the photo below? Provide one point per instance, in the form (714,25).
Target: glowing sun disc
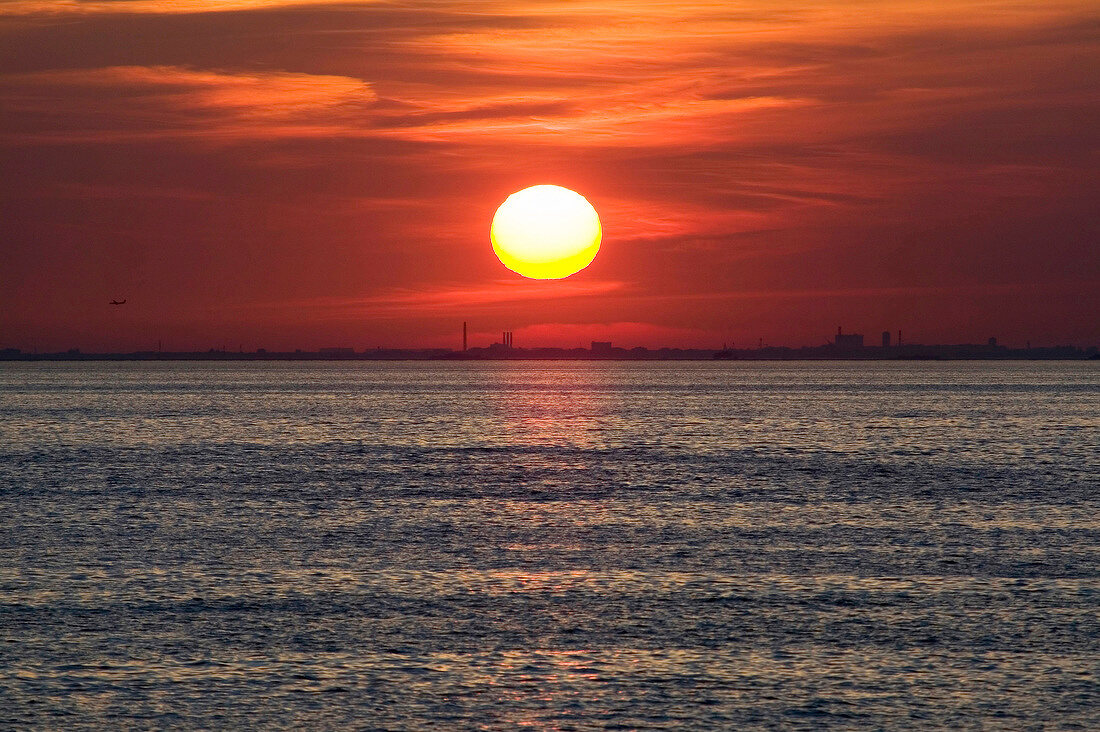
(546,232)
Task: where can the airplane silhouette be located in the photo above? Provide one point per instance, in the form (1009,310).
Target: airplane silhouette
(118,302)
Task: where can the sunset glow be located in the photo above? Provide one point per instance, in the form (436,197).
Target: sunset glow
(531,364)
(546,232)
(293,174)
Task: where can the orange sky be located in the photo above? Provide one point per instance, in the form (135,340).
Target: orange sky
(303,174)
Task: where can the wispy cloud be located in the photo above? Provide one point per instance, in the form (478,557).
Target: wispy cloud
(128,102)
(157,7)
(435,299)
(696,75)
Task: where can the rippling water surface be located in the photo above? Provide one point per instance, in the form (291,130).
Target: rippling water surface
(558,545)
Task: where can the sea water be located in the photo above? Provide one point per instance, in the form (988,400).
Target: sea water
(556,545)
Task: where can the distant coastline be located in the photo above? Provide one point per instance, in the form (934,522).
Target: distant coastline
(498,352)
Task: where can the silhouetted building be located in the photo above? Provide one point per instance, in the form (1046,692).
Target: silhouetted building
(463,335)
(601,346)
(336,351)
(504,346)
(848,340)
(992,342)
(885,339)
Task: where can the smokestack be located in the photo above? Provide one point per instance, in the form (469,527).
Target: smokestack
(838,330)
(463,335)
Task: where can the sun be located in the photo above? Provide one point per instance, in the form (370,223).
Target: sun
(546,232)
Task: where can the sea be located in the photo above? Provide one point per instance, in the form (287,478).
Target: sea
(550,545)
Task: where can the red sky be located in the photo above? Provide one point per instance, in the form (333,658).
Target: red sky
(303,174)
